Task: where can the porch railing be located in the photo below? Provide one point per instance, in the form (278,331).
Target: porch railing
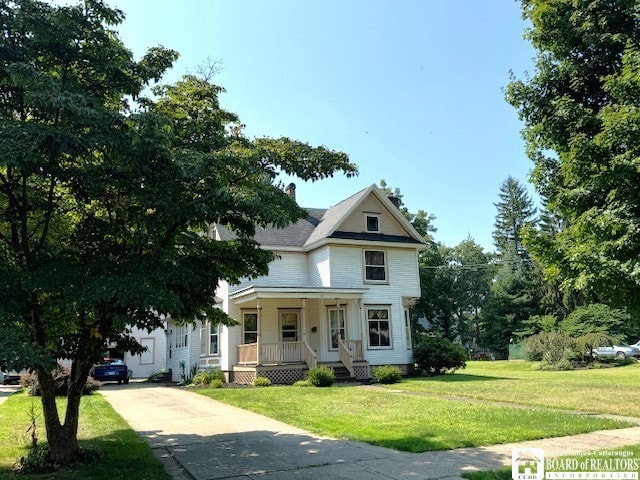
(270,353)
(277,353)
(248,354)
(309,355)
(345,355)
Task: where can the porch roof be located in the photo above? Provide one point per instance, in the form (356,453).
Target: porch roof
(253,293)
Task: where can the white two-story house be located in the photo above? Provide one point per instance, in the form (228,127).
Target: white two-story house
(338,293)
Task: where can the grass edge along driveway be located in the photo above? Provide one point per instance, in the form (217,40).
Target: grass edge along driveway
(405,422)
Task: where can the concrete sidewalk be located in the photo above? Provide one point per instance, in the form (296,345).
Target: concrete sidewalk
(199,438)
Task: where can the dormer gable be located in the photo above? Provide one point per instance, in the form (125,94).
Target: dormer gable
(375,217)
(366,216)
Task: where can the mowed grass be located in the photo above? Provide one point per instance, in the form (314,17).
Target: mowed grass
(123,454)
(605,390)
(404,422)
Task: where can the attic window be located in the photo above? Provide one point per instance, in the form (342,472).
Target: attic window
(372,222)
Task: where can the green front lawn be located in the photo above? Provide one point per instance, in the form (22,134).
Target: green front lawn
(606,390)
(404,422)
(124,455)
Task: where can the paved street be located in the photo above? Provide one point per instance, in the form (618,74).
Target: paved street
(199,438)
(6,390)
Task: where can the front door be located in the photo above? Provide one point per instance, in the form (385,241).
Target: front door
(336,327)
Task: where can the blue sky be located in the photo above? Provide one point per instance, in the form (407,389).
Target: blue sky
(410,90)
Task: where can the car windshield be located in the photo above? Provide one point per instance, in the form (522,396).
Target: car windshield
(112,361)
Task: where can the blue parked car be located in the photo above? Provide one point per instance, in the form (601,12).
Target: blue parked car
(111,370)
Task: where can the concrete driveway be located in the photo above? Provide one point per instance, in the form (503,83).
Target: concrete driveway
(199,438)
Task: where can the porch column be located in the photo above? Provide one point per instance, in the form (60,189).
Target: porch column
(304,320)
(259,321)
(345,319)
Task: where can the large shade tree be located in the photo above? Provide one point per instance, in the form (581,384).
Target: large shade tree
(105,196)
(582,131)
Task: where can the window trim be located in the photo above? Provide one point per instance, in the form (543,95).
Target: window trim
(387,308)
(257,330)
(366,222)
(385,266)
(206,332)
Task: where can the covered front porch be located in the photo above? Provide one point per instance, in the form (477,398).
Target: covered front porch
(294,329)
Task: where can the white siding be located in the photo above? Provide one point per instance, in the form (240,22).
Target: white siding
(190,354)
(347,271)
(289,269)
(319,268)
(152,361)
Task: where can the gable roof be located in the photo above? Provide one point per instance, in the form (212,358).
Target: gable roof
(322,224)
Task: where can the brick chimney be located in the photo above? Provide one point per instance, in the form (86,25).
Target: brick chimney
(395,200)
(290,190)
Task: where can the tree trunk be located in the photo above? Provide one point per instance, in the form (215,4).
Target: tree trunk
(63,438)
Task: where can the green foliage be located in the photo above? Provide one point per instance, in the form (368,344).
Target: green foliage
(103,199)
(61,378)
(512,300)
(597,318)
(435,355)
(550,347)
(387,374)
(515,212)
(303,383)
(321,376)
(261,382)
(581,132)
(561,365)
(37,460)
(536,324)
(216,383)
(596,325)
(207,376)
(455,282)
(421,221)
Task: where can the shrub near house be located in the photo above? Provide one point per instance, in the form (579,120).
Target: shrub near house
(435,355)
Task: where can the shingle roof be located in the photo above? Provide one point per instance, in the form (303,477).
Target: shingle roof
(319,224)
(294,235)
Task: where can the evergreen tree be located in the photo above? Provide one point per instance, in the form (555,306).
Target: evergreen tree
(515,212)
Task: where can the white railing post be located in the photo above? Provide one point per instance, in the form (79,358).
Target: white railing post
(345,355)
(310,357)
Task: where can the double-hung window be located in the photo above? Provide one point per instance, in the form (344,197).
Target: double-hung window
(250,327)
(379,325)
(209,339)
(372,222)
(375,266)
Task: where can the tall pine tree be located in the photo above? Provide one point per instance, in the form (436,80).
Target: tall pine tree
(515,211)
